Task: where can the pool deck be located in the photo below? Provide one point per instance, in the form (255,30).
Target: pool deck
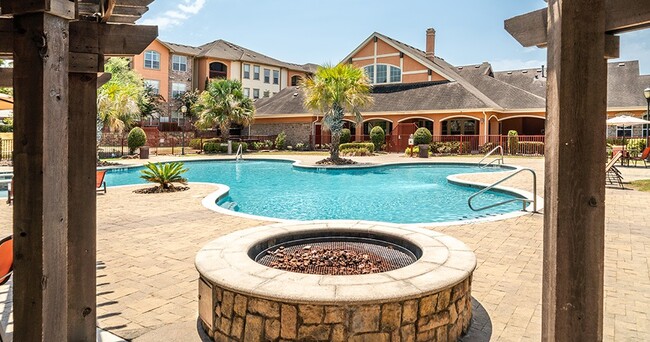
(147,283)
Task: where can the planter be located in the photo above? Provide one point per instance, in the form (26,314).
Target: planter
(144,152)
(424,151)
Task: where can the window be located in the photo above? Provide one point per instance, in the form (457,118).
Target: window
(247,71)
(370,71)
(267,76)
(623,131)
(256,72)
(179,63)
(256,94)
(218,70)
(395,75)
(276,76)
(382,73)
(151,60)
(178,89)
(155,85)
(247,92)
(645,132)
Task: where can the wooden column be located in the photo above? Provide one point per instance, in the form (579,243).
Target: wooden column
(574,213)
(41,176)
(82,211)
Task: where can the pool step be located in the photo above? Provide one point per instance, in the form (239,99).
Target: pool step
(230,206)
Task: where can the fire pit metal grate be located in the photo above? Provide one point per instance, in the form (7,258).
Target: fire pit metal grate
(336,255)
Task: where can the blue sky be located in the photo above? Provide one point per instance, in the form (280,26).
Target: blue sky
(317,31)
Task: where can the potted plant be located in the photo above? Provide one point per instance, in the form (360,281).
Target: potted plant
(422,138)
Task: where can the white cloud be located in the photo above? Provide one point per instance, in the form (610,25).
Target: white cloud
(191,7)
(177,16)
(516,64)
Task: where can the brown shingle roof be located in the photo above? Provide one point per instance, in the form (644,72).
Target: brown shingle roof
(182,49)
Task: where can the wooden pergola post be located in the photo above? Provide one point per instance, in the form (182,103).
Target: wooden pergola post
(58,48)
(580,35)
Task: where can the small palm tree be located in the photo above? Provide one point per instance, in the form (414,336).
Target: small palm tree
(333,91)
(223,104)
(164,175)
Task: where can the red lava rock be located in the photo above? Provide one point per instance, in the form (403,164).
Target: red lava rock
(316,260)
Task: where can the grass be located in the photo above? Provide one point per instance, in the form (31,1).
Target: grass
(641,185)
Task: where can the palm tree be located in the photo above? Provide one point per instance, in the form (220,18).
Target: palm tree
(222,104)
(118,100)
(335,91)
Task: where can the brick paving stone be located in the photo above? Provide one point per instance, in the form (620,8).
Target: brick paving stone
(147,244)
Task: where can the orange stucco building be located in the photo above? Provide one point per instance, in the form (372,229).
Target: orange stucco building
(414,88)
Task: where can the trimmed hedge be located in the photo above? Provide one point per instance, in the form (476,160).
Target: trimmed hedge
(449,147)
(356,152)
(346,136)
(422,136)
(378,137)
(216,147)
(355,145)
(531,147)
(136,138)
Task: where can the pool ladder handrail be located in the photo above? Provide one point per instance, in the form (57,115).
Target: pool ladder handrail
(498,160)
(240,153)
(524,201)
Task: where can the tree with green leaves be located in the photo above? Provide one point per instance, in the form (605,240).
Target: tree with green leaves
(118,101)
(223,104)
(189,99)
(5,90)
(335,91)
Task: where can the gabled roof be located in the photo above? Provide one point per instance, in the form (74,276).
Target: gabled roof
(181,49)
(530,80)
(408,50)
(222,49)
(402,97)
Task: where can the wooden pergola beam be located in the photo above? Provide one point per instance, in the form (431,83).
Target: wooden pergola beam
(530,29)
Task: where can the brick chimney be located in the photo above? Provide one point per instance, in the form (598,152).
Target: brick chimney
(431,42)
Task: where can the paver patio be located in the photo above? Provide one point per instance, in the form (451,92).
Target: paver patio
(147,283)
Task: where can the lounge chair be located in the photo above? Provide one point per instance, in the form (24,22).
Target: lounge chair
(6,259)
(99,180)
(613,175)
(645,157)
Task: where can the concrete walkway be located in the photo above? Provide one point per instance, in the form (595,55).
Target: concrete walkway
(147,283)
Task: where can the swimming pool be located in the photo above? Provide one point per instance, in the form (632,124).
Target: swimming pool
(394,193)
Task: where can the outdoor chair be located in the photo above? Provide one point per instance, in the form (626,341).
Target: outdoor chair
(6,259)
(613,175)
(645,157)
(99,179)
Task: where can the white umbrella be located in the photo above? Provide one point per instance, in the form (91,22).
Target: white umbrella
(626,120)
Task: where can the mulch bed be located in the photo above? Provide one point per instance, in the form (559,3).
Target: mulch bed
(340,161)
(159,190)
(326,261)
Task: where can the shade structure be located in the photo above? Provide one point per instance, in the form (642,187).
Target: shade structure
(626,120)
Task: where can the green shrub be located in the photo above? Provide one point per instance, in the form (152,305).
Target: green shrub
(211,147)
(531,147)
(356,152)
(355,145)
(257,145)
(136,139)
(164,175)
(346,136)
(378,137)
(635,144)
(487,147)
(268,144)
(6,128)
(301,147)
(281,141)
(415,152)
(513,142)
(422,136)
(235,146)
(195,144)
(449,147)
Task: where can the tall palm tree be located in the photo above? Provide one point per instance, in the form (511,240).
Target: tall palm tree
(118,99)
(223,104)
(335,91)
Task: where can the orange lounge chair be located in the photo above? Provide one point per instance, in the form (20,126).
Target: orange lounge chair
(6,259)
(100,184)
(645,157)
(613,175)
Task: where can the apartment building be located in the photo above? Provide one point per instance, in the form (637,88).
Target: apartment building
(171,69)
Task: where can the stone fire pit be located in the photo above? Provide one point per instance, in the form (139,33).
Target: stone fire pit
(427,300)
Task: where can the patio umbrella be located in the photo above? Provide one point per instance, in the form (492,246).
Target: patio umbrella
(626,120)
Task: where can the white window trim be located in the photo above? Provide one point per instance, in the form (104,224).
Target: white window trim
(157,82)
(154,53)
(388,66)
(178,91)
(244,71)
(181,58)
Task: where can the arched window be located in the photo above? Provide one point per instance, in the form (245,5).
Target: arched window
(151,60)
(295,80)
(218,70)
(370,71)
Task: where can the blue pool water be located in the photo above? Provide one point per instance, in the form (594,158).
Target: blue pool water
(398,194)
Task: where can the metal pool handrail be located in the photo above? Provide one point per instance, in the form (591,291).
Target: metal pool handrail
(499,159)
(523,200)
(240,153)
